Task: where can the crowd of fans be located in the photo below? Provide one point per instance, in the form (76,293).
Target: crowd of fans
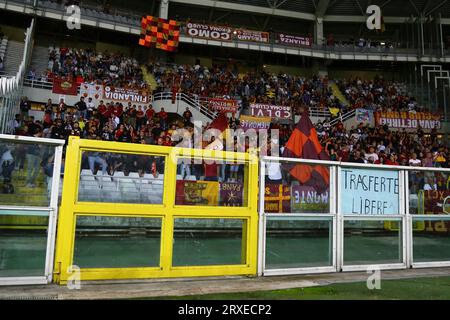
(378,95)
(142,124)
(225,81)
(380,145)
(89,66)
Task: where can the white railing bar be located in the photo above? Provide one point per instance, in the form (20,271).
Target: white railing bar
(13,138)
(352,165)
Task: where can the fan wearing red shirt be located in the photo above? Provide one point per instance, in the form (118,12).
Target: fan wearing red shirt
(163,118)
(119,132)
(47,121)
(110,109)
(118,110)
(102,111)
(211,171)
(140,117)
(167,141)
(149,113)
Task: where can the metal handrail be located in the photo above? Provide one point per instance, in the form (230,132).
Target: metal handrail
(343,117)
(185,98)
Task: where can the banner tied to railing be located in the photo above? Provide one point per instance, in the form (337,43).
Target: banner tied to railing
(251,35)
(255,123)
(66,86)
(272,111)
(293,40)
(408,120)
(207,31)
(369,192)
(223,105)
(123,94)
(94,91)
(210,193)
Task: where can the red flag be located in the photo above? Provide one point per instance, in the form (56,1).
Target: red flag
(305,144)
(220,123)
(64,86)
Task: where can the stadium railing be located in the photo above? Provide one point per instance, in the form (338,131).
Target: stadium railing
(11,87)
(356,221)
(174,222)
(198,103)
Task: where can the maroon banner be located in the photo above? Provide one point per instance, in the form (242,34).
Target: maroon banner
(436,202)
(291,40)
(277,198)
(223,105)
(272,111)
(231,194)
(64,86)
(250,35)
(207,31)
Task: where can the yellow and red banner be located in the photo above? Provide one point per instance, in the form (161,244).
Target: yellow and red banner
(197,193)
(408,120)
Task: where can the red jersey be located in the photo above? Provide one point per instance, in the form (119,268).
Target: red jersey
(149,114)
(102,110)
(140,114)
(117,111)
(211,170)
(162,115)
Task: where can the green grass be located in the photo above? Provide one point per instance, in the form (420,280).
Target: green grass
(435,288)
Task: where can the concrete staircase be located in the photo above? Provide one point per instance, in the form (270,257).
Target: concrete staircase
(39,60)
(13,57)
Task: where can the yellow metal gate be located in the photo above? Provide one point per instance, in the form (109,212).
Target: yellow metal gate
(151,222)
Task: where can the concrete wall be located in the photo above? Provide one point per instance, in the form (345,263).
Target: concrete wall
(363,74)
(102,46)
(186,59)
(297,71)
(13,33)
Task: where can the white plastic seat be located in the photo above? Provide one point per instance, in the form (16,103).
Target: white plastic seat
(86,172)
(118,174)
(134,175)
(125,180)
(104,179)
(87,178)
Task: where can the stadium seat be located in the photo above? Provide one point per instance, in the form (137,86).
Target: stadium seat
(86,172)
(134,175)
(88,178)
(118,174)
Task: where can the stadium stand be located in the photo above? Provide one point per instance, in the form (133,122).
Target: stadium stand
(334,83)
(140,124)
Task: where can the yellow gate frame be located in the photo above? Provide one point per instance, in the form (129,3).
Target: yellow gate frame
(168,211)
